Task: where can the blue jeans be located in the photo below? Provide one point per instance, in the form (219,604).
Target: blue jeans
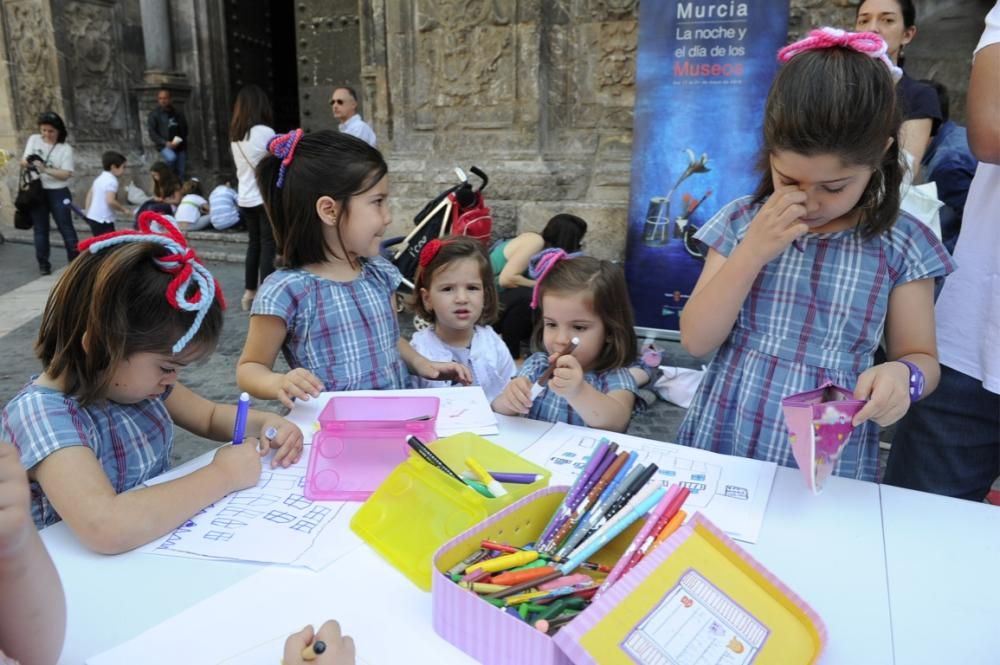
(53,204)
(175,159)
(949,443)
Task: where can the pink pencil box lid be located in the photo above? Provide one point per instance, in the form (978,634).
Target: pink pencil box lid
(819,427)
(361,440)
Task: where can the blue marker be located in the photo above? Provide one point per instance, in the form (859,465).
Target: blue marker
(242,411)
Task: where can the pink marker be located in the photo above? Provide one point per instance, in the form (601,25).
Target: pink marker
(575,579)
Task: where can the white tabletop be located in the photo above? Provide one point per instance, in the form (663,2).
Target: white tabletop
(828,549)
(944,578)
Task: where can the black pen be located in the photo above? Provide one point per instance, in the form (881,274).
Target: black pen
(432,459)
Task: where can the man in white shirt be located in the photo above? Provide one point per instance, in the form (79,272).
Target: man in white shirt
(102,198)
(344,103)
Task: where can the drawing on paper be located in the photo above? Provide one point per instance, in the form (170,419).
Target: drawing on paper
(730,491)
(267,653)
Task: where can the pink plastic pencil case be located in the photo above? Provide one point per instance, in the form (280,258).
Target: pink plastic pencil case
(819,426)
(361,440)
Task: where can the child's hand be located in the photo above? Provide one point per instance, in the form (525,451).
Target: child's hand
(442,371)
(15,507)
(240,464)
(777,224)
(568,377)
(287,440)
(339,648)
(298,384)
(515,398)
(887,389)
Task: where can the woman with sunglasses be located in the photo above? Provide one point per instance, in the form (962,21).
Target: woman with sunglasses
(48,154)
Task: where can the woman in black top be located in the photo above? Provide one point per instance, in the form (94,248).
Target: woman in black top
(896,22)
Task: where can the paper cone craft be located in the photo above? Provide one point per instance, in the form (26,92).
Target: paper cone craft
(819,426)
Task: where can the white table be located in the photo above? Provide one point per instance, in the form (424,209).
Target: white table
(943,558)
(828,549)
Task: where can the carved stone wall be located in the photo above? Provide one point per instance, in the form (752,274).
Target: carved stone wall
(34,64)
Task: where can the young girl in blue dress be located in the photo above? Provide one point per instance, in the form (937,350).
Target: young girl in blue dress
(330,310)
(454,290)
(585,298)
(128,314)
(803,277)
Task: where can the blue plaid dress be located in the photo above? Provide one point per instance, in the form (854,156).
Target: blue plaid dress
(132,442)
(550,407)
(814,314)
(343,332)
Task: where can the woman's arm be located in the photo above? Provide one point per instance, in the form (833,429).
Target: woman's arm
(914,137)
(58,174)
(983,105)
(32,599)
(519,253)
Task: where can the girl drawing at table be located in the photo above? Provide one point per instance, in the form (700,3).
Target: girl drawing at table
(456,293)
(132,310)
(803,277)
(330,309)
(584,298)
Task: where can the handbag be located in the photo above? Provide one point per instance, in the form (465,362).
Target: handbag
(29,191)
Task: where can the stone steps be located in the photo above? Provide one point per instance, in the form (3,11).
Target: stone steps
(210,245)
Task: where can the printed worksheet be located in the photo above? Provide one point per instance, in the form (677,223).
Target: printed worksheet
(730,491)
(272,522)
(463,409)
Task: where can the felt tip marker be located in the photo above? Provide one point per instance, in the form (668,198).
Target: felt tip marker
(421,449)
(313,650)
(495,488)
(543,380)
(242,411)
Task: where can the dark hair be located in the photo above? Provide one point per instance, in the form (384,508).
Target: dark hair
(836,101)
(192,186)
(112,158)
(224,179)
(609,298)
(325,163)
(116,296)
(565,231)
(349,89)
(167,184)
(455,248)
(906,8)
(252,107)
(55,120)
(944,99)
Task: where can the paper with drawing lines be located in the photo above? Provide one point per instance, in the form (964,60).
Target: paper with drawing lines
(463,409)
(272,522)
(730,491)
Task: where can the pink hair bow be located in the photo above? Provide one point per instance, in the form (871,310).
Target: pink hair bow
(868,43)
(283,146)
(541,264)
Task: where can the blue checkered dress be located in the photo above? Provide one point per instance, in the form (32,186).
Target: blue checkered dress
(814,314)
(550,407)
(132,442)
(343,332)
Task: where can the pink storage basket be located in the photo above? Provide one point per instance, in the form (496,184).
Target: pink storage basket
(361,440)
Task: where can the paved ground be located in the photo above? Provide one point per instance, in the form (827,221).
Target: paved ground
(22,296)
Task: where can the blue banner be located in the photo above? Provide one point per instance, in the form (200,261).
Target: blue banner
(702,77)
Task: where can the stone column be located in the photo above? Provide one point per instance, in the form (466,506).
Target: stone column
(156,35)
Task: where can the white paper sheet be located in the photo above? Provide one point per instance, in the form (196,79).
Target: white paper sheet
(730,491)
(269,523)
(387,616)
(463,409)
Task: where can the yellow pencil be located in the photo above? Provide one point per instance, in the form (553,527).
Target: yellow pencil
(495,488)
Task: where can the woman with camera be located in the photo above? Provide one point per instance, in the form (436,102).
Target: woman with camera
(51,159)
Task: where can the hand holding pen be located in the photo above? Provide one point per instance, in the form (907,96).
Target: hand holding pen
(327,646)
(554,364)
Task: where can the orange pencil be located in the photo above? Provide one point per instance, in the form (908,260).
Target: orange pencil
(674,524)
(512,577)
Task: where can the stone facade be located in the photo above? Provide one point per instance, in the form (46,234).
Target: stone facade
(538,93)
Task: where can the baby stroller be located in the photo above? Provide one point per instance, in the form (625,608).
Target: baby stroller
(459,210)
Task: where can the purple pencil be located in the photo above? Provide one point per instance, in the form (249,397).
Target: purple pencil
(596,458)
(515,478)
(595,475)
